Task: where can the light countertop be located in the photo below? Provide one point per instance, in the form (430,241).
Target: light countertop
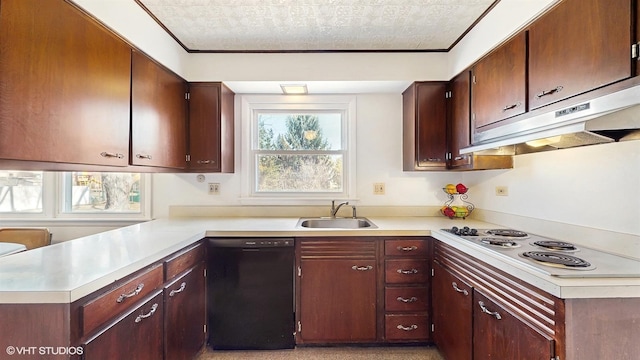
(68,271)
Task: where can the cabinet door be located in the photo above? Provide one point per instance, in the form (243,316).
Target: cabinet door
(499,335)
(499,83)
(460,120)
(158,115)
(138,335)
(64,86)
(211,127)
(424,127)
(338,300)
(185,315)
(578,46)
(452,314)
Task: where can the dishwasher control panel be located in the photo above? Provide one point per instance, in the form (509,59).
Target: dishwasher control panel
(251,243)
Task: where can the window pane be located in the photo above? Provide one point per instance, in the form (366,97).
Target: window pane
(299,173)
(20,191)
(299,131)
(102,192)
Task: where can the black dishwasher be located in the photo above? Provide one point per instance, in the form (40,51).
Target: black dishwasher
(250,293)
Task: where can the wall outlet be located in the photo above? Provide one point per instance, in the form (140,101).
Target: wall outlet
(378,188)
(214,188)
(502,191)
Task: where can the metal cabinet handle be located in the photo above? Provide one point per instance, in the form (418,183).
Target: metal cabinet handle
(432,160)
(512,106)
(407,248)
(177,291)
(489,312)
(141,156)
(135,292)
(461,157)
(407,272)
(412,299)
(111,155)
(549,92)
(362,268)
(206,161)
(456,288)
(144,316)
(409,328)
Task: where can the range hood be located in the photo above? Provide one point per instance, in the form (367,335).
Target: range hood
(610,118)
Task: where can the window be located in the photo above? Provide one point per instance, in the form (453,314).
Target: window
(21,192)
(299,147)
(31,195)
(95,192)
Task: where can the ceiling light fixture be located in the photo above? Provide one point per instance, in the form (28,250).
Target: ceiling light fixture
(294,89)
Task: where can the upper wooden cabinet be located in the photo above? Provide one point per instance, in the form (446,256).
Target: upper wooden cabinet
(499,83)
(424,112)
(578,46)
(459,129)
(158,115)
(211,137)
(64,86)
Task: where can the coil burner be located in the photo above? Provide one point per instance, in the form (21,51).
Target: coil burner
(499,243)
(508,233)
(556,259)
(556,245)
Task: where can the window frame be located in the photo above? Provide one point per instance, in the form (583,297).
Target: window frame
(61,212)
(252,105)
(53,207)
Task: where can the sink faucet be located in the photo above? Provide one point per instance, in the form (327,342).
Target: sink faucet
(335,209)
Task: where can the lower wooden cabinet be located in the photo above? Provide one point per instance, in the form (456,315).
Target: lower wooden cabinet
(407,290)
(337,291)
(482,313)
(497,334)
(363,290)
(185,314)
(136,335)
(452,314)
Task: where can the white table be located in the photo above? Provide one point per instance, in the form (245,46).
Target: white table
(10,248)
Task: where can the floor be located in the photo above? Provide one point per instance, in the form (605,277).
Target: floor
(329,353)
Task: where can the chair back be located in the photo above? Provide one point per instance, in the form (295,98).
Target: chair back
(30,237)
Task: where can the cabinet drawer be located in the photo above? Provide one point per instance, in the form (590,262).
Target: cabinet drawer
(136,335)
(182,261)
(406,247)
(406,299)
(406,327)
(117,300)
(406,271)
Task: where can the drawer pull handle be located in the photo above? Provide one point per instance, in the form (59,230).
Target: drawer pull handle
(432,160)
(489,312)
(407,272)
(401,299)
(144,316)
(549,92)
(456,288)
(177,291)
(133,293)
(461,157)
(407,328)
(141,156)
(512,106)
(407,248)
(362,268)
(111,155)
(206,161)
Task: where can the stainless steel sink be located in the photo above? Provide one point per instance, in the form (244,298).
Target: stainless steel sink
(336,223)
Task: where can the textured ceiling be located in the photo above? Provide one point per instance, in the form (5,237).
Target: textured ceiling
(316,25)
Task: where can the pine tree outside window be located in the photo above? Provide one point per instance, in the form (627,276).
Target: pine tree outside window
(301,150)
